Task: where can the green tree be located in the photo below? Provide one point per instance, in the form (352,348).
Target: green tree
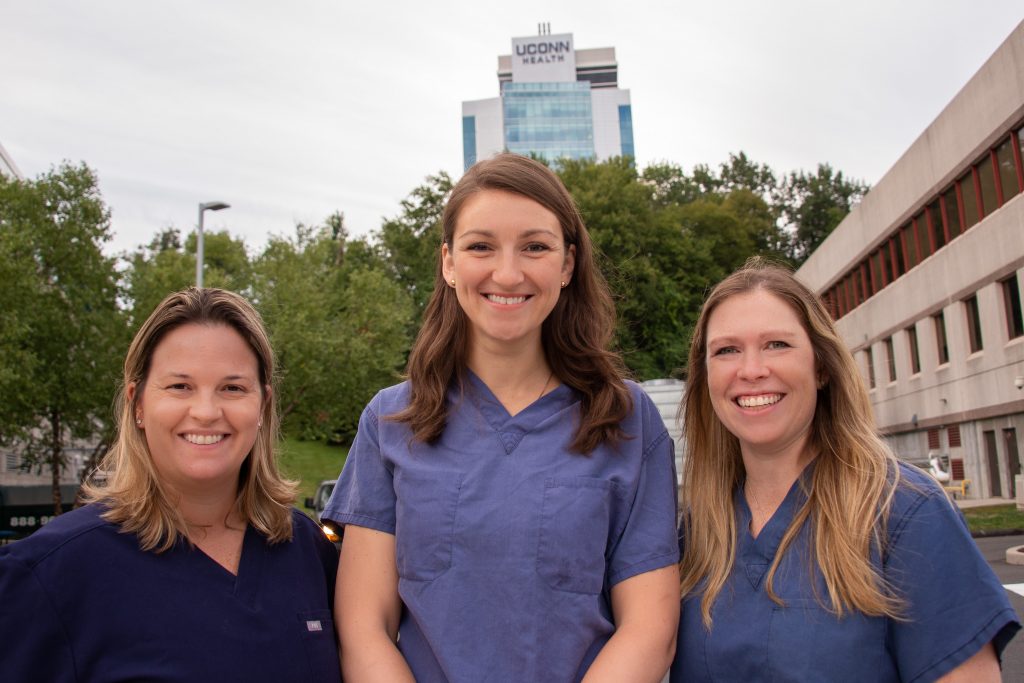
(167,265)
(339,328)
(410,242)
(63,333)
(813,204)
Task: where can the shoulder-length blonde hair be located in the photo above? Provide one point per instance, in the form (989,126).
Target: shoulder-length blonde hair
(575,335)
(854,477)
(133,494)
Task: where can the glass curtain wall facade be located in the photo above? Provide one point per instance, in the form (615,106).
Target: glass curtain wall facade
(553,120)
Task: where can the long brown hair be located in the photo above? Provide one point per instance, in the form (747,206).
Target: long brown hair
(575,336)
(853,481)
(133,494)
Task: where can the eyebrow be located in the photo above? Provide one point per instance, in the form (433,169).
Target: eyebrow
(185,375)
(525,234)
(768,334)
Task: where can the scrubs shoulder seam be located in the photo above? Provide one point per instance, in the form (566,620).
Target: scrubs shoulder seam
(648,565)
(654,444)
(30,571)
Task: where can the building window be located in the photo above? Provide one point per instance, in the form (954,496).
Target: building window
(626,130)
(952,212)
(890,359)
(973,324)
(987,180)
(940,337)
(915,353)
(1011,303)
(468,141)
(970,199)
(938,228)
(1007,170)
(870,360)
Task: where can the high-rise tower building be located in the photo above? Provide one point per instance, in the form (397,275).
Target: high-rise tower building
(556,101)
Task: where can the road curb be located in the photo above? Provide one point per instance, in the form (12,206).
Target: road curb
(989,533)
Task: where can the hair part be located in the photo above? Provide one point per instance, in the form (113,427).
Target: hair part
(134,496)
(575,336)
(852,485)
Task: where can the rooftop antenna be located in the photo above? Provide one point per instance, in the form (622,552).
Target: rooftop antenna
(544,28)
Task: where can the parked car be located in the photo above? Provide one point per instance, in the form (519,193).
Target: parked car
(318,502)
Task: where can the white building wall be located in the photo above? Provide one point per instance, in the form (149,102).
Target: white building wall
(605,104)
(973,391)
(490,135)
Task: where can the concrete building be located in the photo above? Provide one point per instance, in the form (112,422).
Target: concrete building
(924,278)
(555,101)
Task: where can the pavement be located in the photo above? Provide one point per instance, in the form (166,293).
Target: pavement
(1012,577)
(964,503)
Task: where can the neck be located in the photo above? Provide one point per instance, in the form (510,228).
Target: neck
(209,509)
(517,376)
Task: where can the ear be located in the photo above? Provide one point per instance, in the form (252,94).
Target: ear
(129,394)
(570,263)
(447,262)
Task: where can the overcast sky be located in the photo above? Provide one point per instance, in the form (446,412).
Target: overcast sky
(292,110)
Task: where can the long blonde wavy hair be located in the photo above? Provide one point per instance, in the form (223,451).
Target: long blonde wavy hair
(850,491)
(133,495)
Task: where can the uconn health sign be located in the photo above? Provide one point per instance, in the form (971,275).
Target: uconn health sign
(542,59)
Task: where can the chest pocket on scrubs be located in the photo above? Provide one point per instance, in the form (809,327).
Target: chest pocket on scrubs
(319,641)
(806,642)
(425,508)
(574,521)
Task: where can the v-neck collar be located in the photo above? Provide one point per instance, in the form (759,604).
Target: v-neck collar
(245,584)
(510,428)
(757,554)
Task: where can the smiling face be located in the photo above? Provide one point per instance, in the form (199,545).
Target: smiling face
(200,407)
(508,259)
(762,378)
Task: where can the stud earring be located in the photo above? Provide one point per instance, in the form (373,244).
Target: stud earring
(564,284)
(138,421)
(452,282)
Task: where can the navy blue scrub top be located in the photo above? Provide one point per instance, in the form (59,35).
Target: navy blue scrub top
(79,601)
(507,544)
(955,603)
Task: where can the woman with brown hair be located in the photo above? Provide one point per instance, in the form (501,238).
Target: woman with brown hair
(189,563)
(510,509)
(809,552)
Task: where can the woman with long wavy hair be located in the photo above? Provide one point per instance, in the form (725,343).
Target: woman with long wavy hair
(809,552)
(509,510)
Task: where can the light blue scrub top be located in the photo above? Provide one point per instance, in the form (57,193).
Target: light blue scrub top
(507,544)
(955,603)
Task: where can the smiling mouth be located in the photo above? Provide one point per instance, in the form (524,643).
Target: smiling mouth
(203,439)
(758,401)
(506,300)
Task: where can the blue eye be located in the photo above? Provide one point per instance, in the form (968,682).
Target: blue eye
(778,345)
(725,350)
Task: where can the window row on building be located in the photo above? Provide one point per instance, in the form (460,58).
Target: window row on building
(988,183)
(1013,321)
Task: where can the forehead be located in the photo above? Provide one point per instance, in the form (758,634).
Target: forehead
(754,312)
(195,347)
(498,211)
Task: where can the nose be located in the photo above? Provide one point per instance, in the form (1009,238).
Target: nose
(752,366)
(507,271)
(205,407)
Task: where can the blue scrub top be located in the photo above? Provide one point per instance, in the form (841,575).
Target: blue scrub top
(79,601)
(507,544)
(955,604)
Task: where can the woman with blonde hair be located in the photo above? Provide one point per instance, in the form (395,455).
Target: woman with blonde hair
(809,552)
(510,509)
(188,563)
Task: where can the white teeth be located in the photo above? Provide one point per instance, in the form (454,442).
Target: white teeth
(758,401)
(203,439)
(506,299)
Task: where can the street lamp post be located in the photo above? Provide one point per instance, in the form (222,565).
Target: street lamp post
(203,208)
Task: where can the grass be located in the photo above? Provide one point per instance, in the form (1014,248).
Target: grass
(994,517)
(310,462)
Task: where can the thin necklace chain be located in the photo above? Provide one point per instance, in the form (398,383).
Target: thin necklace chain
(544,388)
